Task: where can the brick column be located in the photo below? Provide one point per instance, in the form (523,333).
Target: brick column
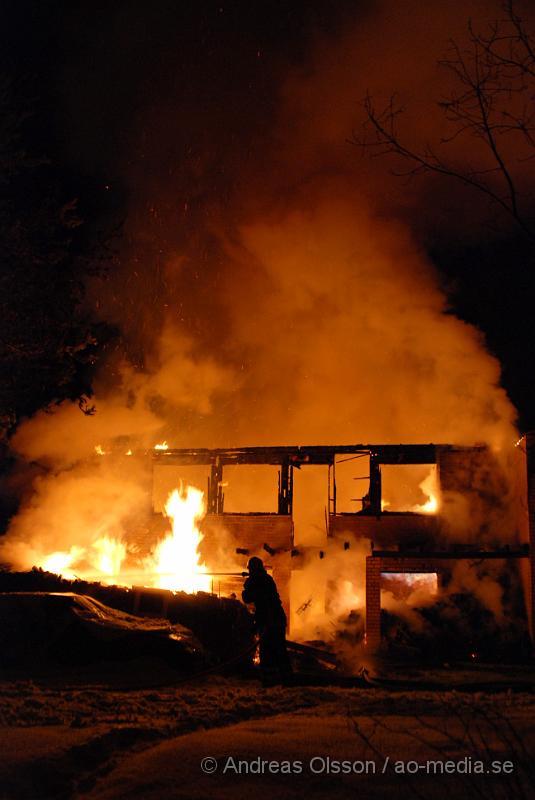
(373,602)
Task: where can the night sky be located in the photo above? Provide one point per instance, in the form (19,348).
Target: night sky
(161,117)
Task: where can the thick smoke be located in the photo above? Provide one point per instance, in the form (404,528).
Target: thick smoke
(290,303)
(351,340)
(77,508)
(294,303)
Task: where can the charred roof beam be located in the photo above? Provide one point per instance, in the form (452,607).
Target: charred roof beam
(299,455)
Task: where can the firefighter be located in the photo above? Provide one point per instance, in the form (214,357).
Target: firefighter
(270,622)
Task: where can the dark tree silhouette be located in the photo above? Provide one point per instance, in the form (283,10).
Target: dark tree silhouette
(47,343)
(493,103)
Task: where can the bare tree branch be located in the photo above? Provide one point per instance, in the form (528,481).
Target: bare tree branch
(493,103)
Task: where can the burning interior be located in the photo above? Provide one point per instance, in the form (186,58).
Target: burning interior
(351,533)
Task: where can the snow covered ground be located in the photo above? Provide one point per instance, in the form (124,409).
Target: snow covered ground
(99,736)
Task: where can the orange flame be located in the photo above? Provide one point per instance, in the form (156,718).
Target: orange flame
(429,487)
(176,559)
(61,562)
(110,554)
(105,556)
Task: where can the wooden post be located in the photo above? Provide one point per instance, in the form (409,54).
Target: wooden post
(285,488)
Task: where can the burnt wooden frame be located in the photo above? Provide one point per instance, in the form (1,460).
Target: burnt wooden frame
(290,457)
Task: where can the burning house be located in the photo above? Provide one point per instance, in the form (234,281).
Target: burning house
(342,528)
(346,530)
(310,535)
(299,296)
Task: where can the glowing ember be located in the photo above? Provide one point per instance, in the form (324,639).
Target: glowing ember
(430,507)
(427,581)
(99,451)
(162,446)
(176,559)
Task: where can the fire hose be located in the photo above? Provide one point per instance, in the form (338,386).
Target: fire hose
(213,669)
(309,678)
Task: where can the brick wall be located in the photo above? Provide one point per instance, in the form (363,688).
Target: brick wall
(373,602)
(388,530)
(250,531)
(455,468)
